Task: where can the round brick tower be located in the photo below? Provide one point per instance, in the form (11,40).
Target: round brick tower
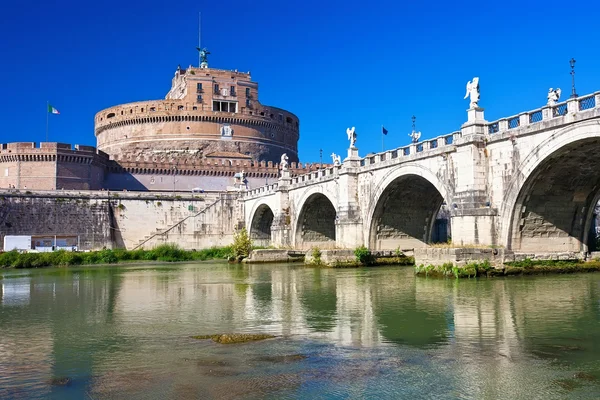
(207,113)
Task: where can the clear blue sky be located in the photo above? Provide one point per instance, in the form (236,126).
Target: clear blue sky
(333,63)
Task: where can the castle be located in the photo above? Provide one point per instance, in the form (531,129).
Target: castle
(210,127)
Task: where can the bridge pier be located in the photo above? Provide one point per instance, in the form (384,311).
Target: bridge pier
(348,222)
(281,229)
(472,217)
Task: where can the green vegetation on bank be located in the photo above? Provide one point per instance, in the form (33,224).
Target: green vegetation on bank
(525,267)
(165,253)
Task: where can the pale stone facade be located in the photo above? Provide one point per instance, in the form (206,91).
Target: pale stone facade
(528,183)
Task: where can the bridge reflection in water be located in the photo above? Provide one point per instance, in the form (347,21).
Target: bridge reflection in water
(502,338)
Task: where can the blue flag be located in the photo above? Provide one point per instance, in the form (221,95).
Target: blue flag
(383,130)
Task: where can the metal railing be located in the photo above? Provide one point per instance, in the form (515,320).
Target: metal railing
(494,128)
(559,110)
(535,116)
(586,103)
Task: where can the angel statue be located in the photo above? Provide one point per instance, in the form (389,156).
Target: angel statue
(351,136)
(203,54)
(473,91)
(337,160)
(283,164)
(553,96)
(415,136)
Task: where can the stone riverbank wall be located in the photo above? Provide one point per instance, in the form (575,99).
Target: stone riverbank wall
(98,219)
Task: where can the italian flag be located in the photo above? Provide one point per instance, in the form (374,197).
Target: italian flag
(52,110)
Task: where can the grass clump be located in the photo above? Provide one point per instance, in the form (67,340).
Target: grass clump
(164,253)
(523,267)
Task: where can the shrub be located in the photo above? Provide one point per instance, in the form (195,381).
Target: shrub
(242,245)
(8,258)
(316,255)
(363,255)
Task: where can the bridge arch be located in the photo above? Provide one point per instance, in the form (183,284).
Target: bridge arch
(549,203)
(404,207)
(315,225)
(260,225)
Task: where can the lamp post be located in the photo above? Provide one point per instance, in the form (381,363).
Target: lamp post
(573,92)
(320,158)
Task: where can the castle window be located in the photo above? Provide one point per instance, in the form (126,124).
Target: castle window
(216,88)
(247,92)
(289,120)
(232,107)
(224,106)
(142,109)
(199,98)
(194,108)
(131,111)
(152,108)
(247,102)
(262,113)
(199,87)
(216,106)
(281,117)
(111,115)
(232,91)
(180,107)
(271,115)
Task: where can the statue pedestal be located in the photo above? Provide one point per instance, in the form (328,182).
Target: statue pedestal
(352,154)
(475,114)
(204,65)
(285,175)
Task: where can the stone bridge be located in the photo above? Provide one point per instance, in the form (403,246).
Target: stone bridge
(528,183)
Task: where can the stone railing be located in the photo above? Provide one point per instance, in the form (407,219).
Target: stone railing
(413,150)
(320,175)
(261,191)
(546,113)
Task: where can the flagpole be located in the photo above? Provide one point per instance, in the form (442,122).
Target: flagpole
(382,139)
(47,108)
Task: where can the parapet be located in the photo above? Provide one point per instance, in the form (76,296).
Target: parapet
(51,148)
(216,166)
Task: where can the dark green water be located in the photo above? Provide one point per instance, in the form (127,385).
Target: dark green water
(342,334)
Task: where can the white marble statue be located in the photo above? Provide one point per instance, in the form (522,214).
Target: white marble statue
(553,96)
(473,92)
(351,136)
(283,165)
(337,160)
(415,136)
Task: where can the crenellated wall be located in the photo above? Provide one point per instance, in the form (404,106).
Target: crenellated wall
(49,166)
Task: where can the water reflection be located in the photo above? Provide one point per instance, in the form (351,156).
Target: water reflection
(105,327)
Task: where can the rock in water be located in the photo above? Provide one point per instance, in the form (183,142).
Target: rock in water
(229,338)
(62,381)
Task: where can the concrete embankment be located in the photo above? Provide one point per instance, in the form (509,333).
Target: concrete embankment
(472,262)
(274,256)
(337,258)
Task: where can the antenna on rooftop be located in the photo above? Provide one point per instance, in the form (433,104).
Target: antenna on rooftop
(199,36)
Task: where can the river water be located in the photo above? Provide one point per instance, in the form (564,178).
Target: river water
(341,334)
